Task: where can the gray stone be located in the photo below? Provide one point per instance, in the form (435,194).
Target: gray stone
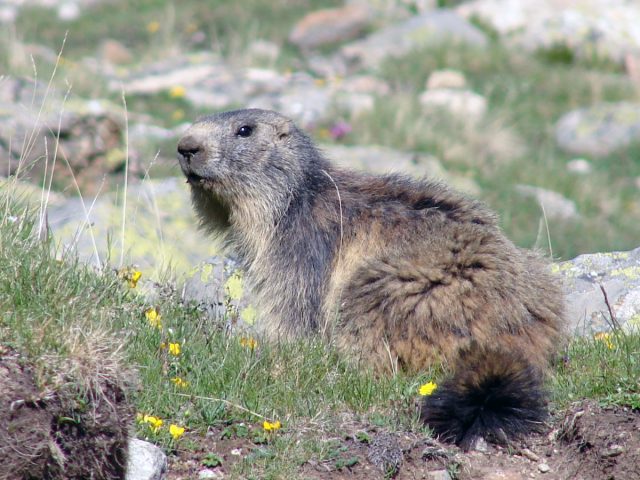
(446,79)
(36,128)
(438,475)
(599,130)
(544,468)
(585,277)
(146,461)
(612,451)
(396,40)
(463,104)
(160,229)
(220,288)
(555,206)
(590,28)
(377,159)
(329,26)
(579,166)
(207,473)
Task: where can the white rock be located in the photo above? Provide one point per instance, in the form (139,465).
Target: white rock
(446,79)
(555,205)
(68,11)
(146,461)
(579,166)
(465,104)
(605,28)
(208,473)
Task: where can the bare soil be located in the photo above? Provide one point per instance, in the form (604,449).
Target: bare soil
(40,433)
(585,442)
(59,433)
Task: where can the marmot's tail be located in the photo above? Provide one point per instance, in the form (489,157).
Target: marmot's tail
(493,394)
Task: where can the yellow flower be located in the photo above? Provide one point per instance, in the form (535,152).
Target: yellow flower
(428,388)
(130,275)
(248,342)
(153,27)
(177,92)
(154,317)
(155,423)
(179,382)
(176,431)
(174,349)
(324,133)
(604,337)
(271,426)
(177,114)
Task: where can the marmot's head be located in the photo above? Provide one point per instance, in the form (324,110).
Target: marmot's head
(244,153)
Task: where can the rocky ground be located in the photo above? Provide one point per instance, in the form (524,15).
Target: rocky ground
(586,442)
(92,140)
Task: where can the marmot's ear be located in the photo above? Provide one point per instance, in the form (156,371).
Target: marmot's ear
(283,129)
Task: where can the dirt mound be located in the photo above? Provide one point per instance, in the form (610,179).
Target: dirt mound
(64,433)
(587,442)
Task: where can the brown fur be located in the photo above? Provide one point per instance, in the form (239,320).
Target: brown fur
(399,272)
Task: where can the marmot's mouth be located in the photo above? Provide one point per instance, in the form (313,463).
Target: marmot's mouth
(194,178)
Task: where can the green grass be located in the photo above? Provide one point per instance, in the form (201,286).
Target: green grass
(515,144)
(304,384)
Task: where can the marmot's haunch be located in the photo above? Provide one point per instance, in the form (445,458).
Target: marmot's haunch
(398,272)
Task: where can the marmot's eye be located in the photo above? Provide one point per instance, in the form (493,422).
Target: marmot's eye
(244,131)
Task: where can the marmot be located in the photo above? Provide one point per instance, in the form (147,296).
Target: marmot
(399,272)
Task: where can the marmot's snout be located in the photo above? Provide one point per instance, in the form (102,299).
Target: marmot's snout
(191,155)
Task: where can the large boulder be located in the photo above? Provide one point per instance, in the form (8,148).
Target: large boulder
(589,28)
(603,291)
(599,130)
(429,28)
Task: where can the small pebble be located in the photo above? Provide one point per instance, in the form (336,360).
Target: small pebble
(612,451)
(530,455)
(543,468)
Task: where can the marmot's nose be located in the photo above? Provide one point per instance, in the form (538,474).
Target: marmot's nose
(188,147)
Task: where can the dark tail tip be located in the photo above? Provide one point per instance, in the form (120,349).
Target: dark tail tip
(495,395)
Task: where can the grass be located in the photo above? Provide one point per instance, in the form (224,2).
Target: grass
(526,93)
(515,144)
(47,297)
(227,382)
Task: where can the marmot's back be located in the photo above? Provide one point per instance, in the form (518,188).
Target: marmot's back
(400,272)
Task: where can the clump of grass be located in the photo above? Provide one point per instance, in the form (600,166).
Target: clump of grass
(57,318)
(605,367)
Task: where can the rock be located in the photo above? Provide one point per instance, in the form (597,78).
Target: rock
(161,78)
(160,228)
(618,273)
(589,28)
(390,11)
(377,159)
(543,468)
(579,166)
(115,52)
(88,134)
(68,11)
(438,475)
(480,445)
(220,288)
(599,130)
(396,40)
(446,79)
(329,26)
(386,453)
(364,84)
(612,451)
(146,461)
(555,206)
(263,50)
(463,104)
(207,473)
